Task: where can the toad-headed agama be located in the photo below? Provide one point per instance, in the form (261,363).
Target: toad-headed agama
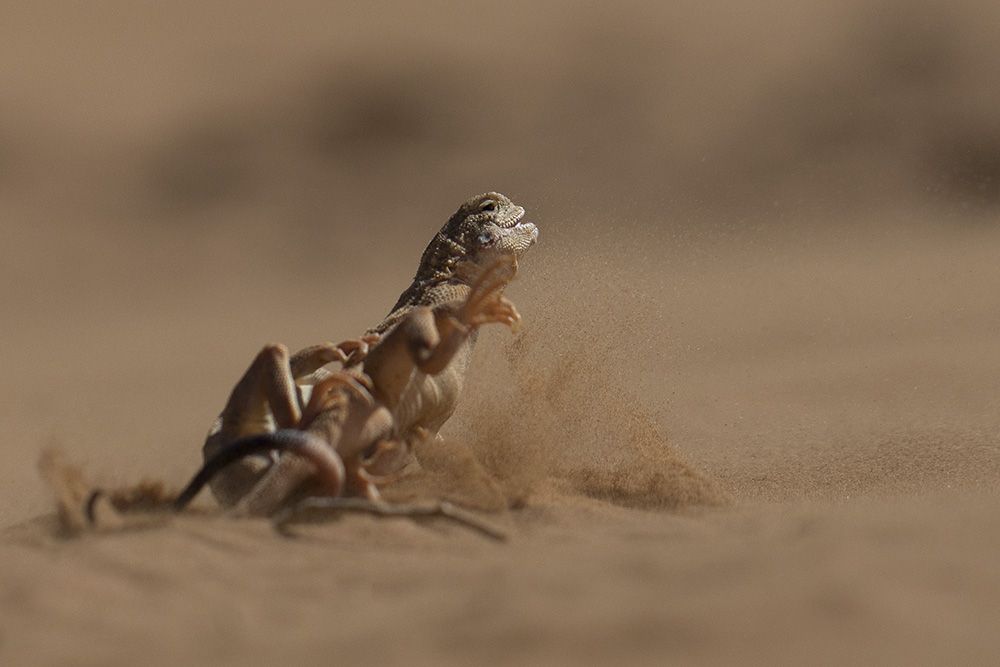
(294,428)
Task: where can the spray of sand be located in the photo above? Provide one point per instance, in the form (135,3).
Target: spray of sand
(556,413)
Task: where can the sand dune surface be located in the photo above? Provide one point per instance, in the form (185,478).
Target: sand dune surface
(754,412)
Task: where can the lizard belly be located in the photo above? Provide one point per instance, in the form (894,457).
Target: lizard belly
(429,400)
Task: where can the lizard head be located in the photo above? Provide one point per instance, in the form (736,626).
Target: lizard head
(493,226)
(482,229)
(485,230)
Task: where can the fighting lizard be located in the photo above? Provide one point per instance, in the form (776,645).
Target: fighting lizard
(483,228)
(400,382)
(330,451)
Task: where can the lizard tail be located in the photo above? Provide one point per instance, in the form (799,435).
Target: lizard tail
(330,469)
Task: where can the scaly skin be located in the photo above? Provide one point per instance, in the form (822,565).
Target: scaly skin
(483,228)
(342,440)
(484,225)
(414,396)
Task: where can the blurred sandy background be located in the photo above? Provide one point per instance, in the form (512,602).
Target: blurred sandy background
(754,416)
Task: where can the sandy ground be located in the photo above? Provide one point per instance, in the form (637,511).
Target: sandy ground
(754,415)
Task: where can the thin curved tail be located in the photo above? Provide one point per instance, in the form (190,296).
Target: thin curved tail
(316,450)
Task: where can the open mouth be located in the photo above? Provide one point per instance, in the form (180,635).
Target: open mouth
(513,220)
(527,228)
(515,225)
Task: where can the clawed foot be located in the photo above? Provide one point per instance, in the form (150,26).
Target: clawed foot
(349,353)
(310,359)
(486,304)
(355,350)
(501,311)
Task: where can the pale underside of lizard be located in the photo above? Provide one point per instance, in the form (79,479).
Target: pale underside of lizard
(483,228)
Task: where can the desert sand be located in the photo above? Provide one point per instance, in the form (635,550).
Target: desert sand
(754,413)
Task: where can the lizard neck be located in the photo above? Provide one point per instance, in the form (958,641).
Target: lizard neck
(435,269)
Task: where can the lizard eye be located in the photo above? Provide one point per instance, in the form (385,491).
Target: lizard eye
(488,205)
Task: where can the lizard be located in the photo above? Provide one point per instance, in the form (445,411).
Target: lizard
(333,446)
(271,395)
(484,227)
(336,444)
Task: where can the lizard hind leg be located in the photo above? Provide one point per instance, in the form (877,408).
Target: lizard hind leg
(264,399)
(268,386)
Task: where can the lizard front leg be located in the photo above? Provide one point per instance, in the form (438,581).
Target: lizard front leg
(454,323)
(427,339)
